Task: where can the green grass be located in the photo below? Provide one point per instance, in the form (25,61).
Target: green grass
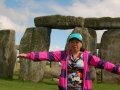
(105,86)
(46,84)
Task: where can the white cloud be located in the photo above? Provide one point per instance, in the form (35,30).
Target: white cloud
(19,18)
(94,8)
(7,23)
(1,2)
(88,8)
(22,17)
(16,15)
(55,48)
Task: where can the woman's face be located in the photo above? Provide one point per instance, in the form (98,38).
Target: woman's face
(74,45)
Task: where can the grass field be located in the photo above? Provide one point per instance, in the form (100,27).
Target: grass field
(104,86)
(46,84)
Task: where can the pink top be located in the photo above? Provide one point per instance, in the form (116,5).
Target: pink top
(63,57)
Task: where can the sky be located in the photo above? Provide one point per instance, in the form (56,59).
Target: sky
(19,14)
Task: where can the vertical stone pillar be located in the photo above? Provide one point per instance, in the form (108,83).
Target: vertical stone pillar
(89,43)
(110,51)
(89,38)
(7,53)
(34,39)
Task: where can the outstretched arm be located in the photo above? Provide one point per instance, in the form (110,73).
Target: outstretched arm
(99,63)
(22,55)
(37,56)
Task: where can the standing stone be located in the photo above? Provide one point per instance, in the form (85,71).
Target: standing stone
(89,38)
(34,39)
(93,45)
(7,53)
(93,41)
(89,43)
(55,69)
(110,51)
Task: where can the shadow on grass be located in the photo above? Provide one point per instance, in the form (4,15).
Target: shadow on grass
(49,82)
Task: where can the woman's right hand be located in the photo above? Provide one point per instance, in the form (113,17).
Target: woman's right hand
(22,55)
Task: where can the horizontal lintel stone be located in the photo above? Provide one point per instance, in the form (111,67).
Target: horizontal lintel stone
(59,21)
(102,23)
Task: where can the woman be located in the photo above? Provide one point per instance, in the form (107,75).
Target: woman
(75,63)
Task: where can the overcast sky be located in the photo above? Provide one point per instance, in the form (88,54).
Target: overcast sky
(19,14)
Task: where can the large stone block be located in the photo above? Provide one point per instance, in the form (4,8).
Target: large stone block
(34,39)
(89,43)
(110,51)
(59,21)
(89,38)
(7,53)
(102,23)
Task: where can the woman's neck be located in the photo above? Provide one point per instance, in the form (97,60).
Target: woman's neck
(75,54)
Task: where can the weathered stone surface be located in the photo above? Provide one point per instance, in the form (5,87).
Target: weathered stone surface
(89,38)
(53,71)
(59,21)
(34,39)
(89,43)
(102,23)
(17,47)
(110,51)
(7,53)
(93,41)
(70,22)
